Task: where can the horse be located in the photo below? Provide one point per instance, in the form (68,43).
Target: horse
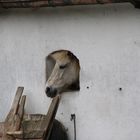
(62,72)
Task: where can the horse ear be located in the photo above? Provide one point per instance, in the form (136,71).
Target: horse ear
(70,55)
(75,86)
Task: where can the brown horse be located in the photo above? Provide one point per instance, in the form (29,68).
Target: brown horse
(62,68)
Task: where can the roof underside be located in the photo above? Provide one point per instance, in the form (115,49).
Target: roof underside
(54,3)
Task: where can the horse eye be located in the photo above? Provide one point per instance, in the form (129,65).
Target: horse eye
(62,66)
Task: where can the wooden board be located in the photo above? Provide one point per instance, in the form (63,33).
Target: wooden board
(15,115)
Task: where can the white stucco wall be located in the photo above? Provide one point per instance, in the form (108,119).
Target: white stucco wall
(106,39)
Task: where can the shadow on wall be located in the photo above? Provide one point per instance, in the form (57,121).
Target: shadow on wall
(62,72)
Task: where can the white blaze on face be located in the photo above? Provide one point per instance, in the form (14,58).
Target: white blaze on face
(62,76)
(55,79)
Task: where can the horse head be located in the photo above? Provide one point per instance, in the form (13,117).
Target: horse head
(62,72)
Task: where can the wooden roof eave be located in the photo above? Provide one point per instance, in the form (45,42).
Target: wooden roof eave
(54,3)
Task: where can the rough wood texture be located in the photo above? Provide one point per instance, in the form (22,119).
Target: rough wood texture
(51,116)
(13,119)
(37,126)
(1,129)
(30,126)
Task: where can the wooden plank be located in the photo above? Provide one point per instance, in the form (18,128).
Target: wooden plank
(13,120)
(31,127)
(1,128)
(19,116)
(51,116)
(15,103)
(21,107)
(17,99)
(32,134)
(36,117)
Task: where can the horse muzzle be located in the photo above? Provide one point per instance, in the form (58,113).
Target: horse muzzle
(51,92)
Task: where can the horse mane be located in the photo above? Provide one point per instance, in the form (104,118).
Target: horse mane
(69,53)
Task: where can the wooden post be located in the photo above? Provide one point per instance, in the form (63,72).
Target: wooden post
(51,116)
(14,117)
(1,129)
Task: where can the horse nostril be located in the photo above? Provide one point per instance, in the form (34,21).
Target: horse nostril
(51,92)
(48,89)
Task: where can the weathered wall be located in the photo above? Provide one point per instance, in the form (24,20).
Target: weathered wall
(106,39)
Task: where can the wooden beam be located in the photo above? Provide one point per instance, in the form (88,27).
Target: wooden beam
(1,128)
(21,107)
(51,116)
(13,119)
(53,3)
(15,103)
